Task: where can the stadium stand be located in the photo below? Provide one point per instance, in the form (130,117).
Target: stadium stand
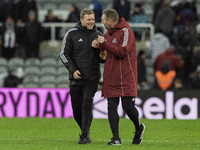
(60,64)
(48,85)
(62,85)
(62,78)
(31,79)
(30,85)
(35,67)
(3,62)
(62,81)
(149,71)
(3,69)
(16,62)
(48,62)
(62,71)
(48,70)
(29,62)
(33,70)
(49,54)
(101,69)
(48,81)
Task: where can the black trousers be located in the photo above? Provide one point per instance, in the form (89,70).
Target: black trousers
(8,52)
(82,104)
(31,50)
(128,105)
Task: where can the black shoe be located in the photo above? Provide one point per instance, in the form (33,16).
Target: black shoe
(114,142)
(88,137)
(138,135)
(82,140)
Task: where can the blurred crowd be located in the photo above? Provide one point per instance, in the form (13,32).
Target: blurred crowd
(20,26)
(174,50)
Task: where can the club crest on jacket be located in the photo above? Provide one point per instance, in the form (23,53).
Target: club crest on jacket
(114,40)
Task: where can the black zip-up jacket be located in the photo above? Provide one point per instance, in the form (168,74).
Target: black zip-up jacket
(77,54)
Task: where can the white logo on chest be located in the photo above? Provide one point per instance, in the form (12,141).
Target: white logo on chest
(114,40)
(80,40)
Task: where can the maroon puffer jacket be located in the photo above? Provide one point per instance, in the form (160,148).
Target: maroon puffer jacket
(120,71)
(168,55)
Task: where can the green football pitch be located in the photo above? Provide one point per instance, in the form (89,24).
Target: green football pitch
(63,134)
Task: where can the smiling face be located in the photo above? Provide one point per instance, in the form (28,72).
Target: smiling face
(110,18)
(88,21)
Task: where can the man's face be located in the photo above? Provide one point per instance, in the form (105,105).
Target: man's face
(10,21)
(31,17)
(88,21)
(105,22)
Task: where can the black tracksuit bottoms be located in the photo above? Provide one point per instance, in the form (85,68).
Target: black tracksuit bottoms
(82,104)
(128,105)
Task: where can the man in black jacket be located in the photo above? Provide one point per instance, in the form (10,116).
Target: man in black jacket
(32,36)
(82,61)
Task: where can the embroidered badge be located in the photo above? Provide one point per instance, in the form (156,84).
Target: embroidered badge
(114,40)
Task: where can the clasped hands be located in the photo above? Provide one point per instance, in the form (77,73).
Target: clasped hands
(97,41)
(95,44)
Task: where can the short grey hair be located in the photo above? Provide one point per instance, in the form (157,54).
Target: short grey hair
(111,14)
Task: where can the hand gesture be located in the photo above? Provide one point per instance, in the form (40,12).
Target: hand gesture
(103,54)
(95,44)
(101,39)
(77,74)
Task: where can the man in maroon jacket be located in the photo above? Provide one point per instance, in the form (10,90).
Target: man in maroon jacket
(120,73)
(176,61)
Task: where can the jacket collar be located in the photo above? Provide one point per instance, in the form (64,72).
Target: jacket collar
(121,24)
(79,26)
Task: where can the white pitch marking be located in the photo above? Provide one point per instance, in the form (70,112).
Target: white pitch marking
(149,141)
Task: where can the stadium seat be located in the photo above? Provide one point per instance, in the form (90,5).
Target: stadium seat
(16,62)
(50,5)
(48,62)
(31,79)
(49,54)
(150,75)
(150,80)
(48,85)
(3,69)
(62,70)
(62,81)
(34,70)
(48,70)
(101,69)
(47,79)
(60,63)
(148,62)
(32,62)
(62,85)
(62,78)
(150,71)
(30,85)
(3,62)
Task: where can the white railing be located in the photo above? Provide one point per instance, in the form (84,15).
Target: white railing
(198,28)
(100,25)
(144,25)
(64,25)
(53,27)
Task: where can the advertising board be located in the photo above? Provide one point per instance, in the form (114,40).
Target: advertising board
(50,102)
